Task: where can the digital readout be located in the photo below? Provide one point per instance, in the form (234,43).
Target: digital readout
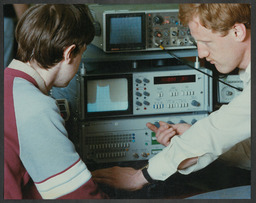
(174,79)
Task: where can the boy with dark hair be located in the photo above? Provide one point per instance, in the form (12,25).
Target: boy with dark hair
(39,159)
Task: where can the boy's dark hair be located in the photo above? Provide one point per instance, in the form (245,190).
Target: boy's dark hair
(45,30)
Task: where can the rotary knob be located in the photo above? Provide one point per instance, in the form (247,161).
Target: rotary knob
(174,33)
(146,103)
(146,94)
(157,124)
(138,94)
(158,20)
(229,93)
(144,154)
(193,121)
(195,103)
(182,121)
(170,122)
(146,80)
(158,34)
(138,81)
(135,155)
(139,103)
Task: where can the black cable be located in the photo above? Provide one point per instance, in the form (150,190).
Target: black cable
(187,64)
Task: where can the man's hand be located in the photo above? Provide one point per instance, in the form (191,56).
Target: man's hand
(166,131)
(120,177)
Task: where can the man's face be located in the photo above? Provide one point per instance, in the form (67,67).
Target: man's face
(219,50)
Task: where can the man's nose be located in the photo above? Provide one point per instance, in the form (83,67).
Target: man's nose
(202,51)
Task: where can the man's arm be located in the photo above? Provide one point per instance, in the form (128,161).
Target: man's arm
(128,178)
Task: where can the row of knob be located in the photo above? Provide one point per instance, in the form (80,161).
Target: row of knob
(138,103)
(170,122)
(139,81)
(173,94)
(110,155)
(159,20)
(174,105)
(119,154)
(161,94)
(119,138)
(182,93)
(109,146)
(166,42)
(139,94)
(143,154)
(166,34)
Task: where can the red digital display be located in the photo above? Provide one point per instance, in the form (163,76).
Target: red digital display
(174,79)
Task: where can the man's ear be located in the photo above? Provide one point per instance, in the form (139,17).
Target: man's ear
(239,31)
(67,54)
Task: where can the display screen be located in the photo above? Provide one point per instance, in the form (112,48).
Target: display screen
(174,79)
(107,95)
(125,30)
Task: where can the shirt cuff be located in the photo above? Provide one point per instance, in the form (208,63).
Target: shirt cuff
(166,162)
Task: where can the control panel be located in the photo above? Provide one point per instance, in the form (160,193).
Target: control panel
(140,27)
(164,28)
(174,91)
(128,139)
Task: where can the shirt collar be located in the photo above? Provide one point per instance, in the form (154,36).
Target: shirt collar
(245,75)
(18,65)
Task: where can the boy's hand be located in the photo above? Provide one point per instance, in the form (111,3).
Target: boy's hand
(120,177)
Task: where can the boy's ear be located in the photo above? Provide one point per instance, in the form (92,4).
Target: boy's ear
(67,54)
